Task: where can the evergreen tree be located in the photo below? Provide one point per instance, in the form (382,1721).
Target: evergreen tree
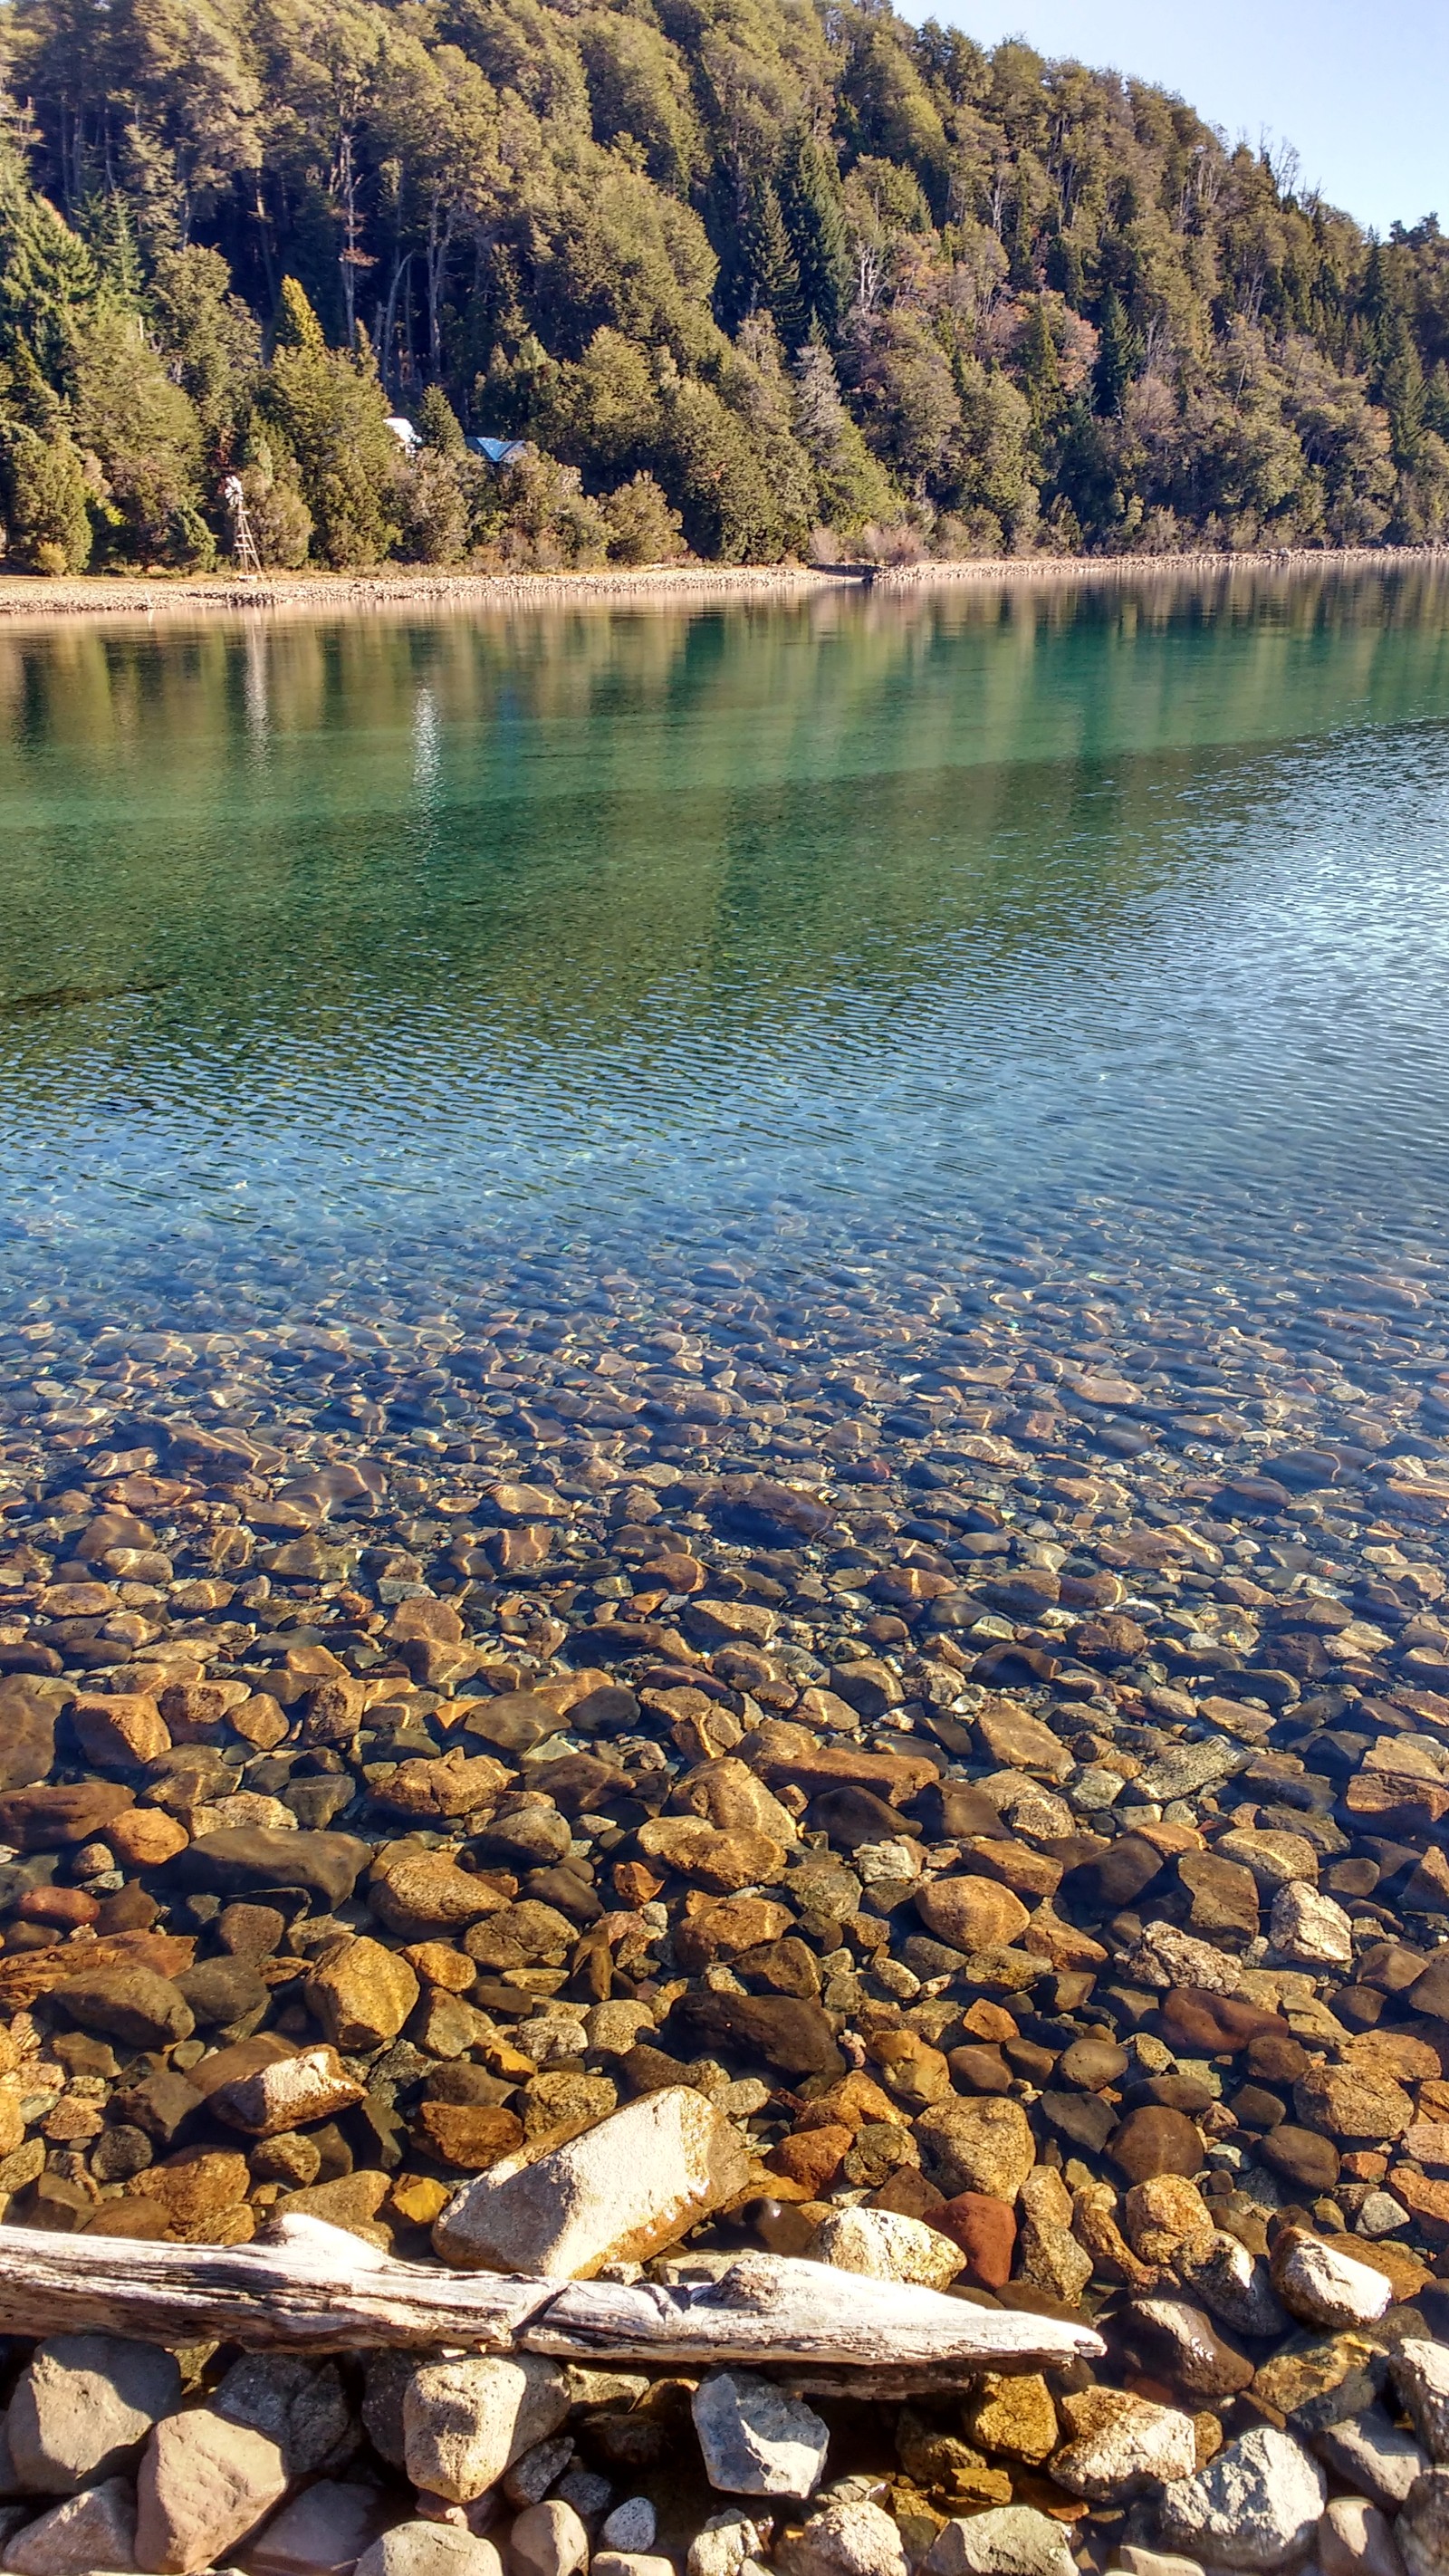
(438,423)
(770,262)
(1119,356)
(1402,388)
(813,204)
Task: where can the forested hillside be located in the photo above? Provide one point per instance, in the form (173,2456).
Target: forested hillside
(748,275)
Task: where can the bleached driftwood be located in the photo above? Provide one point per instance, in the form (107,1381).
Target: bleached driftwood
(311,2287)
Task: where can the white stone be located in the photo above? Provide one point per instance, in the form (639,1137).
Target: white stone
(83,2406)
(632,2525)
(629,2562)
(465,2422)
(1421,2376)
(617,2194)
(90,2531)
(429,2549)
(288,2094)
(724,2545)
(756,2439)
(1304,1925)
(1121,2444)
(1133,2560)
(1166,1957)
(887,2245)
(548,2540)
(204,2484)
(849,2538)
(1010,2540)
(1324,2287)
(1255,2505)
(1355,2539)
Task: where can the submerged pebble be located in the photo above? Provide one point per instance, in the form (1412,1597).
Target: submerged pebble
(975,1730)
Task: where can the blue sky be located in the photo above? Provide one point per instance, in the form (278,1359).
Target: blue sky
(1358,87)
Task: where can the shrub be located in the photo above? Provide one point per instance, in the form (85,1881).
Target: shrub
(431,513)
(642,528)
(43,494)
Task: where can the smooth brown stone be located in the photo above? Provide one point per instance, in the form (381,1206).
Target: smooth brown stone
(1195,2023)
(49,1819)
(1154,2141)
(1301,2157)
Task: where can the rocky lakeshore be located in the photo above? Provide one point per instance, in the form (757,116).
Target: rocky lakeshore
(942,1775)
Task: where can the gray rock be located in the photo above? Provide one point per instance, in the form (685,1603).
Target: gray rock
(1422,2529)
(1421,2376)
(387,2377)
(1355,2539)
(1232,2285)
(429,2549)
(204,2484)
(11,2483)
(531,2476)
(756,2440)
(1371,2455)
(1010,2540)
(549,2540)
(82,2408)
(630,2562)
(1255,2505)
(323,2532)
(1187,1769)
(465,2422)
(847,2539)
(631,2526)
(586,2491)
(91,2531)
(299,2405)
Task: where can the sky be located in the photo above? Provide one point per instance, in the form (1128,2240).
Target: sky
(1357,87)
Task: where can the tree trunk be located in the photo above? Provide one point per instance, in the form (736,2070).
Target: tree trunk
(315,2288)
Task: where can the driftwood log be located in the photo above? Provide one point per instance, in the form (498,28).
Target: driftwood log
(314,2288)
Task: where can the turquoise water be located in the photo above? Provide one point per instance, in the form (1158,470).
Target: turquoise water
(1108,917)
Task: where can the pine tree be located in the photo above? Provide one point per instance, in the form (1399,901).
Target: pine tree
(297,325)
(813,204)
(774,275)
(438,423)
(1119,356)
(1403,393)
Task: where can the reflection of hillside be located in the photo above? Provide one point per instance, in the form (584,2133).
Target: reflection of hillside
(459,847)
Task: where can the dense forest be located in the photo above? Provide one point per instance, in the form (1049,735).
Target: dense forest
(752,277)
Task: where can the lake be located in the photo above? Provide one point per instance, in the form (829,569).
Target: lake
(900,949)
(596,1181)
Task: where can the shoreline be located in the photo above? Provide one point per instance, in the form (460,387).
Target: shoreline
(26,598)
